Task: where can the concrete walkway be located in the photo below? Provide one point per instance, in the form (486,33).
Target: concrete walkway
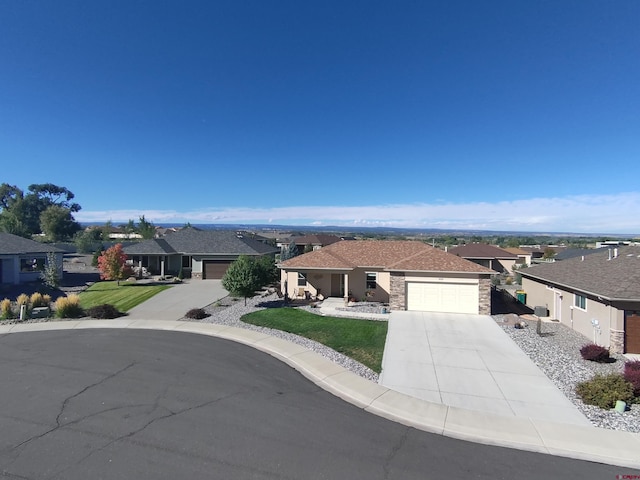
(174,302)
(468,361)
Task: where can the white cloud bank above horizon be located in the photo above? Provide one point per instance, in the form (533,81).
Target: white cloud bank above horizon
(574,214)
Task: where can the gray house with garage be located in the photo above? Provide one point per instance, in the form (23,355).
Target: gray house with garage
(200,254)
(597,295)
(23,260)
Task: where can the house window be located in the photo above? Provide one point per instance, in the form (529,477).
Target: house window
(580,301)
(186,261)
(372,280)
(31,264)
(302,279)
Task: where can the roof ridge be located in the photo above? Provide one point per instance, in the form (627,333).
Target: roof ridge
(405,259)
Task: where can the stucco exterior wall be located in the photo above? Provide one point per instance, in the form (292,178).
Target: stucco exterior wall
(561,305)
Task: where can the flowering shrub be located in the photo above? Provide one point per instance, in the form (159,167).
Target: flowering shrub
(595,353)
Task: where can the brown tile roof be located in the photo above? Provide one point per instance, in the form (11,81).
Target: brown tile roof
(481,250)
(615,278)
(319,239)
(395,255)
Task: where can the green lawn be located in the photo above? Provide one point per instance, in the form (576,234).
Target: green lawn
(362,340)
(124,297)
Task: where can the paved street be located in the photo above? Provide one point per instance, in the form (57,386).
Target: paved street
(145,404)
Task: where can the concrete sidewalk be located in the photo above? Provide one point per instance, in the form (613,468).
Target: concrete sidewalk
(174,302)
(468,361)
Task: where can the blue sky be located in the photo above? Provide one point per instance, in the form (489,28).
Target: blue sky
(507,115)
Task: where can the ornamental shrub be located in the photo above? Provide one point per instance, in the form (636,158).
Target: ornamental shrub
(38,300)
(23,299)
(604,390)
(104,311)
(632,375)
(595,353)
(5,309)
(196,314)
(68,307)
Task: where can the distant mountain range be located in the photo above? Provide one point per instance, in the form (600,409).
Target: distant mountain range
(380,230)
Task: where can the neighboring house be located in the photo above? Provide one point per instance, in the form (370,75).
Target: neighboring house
(488,256)
(537,252)
(408,275)
(202,254)
(314,242)
(597,295)
(568,253)
(117,233)
(524,257)
(23,260)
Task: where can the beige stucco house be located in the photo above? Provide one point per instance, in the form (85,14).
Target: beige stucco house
(407,275)
(597,295)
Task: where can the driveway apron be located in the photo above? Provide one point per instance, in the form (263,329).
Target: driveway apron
(468,361)
(174,302)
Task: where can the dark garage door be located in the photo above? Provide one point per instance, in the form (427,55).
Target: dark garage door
(632,333)
(214,269)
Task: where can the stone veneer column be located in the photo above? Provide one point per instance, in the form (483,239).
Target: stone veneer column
(484,297)
(616,341)
(397,293)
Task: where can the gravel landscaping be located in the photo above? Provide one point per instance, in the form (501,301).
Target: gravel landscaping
(557,353)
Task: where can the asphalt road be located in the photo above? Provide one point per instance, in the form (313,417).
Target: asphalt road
(127,404)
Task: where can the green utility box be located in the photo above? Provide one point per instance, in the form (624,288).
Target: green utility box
(521,296)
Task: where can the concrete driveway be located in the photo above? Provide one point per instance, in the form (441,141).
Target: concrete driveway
(468,361)
(174,302)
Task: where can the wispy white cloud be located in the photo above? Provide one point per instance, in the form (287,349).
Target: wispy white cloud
(581,214)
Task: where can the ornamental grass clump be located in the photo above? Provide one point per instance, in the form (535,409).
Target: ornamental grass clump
(595,353)
(68,307)
(605,390)
(38,300)
(23,299)
(5,309)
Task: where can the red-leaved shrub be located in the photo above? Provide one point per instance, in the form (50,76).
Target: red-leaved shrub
(632,375)
(595,353)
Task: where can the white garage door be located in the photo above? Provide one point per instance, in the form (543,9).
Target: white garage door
(442,297)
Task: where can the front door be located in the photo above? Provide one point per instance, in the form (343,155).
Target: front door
(337,285)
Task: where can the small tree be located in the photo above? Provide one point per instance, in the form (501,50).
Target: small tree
(549,253)
(242,278)
(50,275)
(113,264)
(267,270)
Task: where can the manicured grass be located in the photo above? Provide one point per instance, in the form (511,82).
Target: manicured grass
(124,297)
(362,340)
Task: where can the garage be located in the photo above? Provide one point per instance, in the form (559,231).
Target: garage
(632,333)
(446,297)
(215,269)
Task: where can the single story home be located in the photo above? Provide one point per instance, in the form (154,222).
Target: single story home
(408,275)
(201,254)
(524,257)
(597,295)
(23,260)
(488,256)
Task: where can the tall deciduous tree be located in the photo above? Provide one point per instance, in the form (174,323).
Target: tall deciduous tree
(113,264)
(57,223)
(242,278)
